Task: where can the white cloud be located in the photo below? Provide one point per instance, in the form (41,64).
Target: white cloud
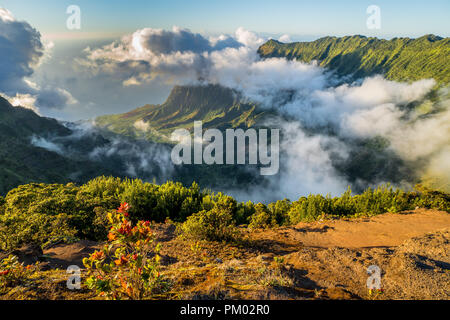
(142,126)
(22,52)
(6,15)
(175,56)
(23,100)
(46,144)
(285,38)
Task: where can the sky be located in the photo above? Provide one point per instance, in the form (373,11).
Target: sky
(101,18)
(65,85)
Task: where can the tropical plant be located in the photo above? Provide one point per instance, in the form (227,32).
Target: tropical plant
(13,273)
(128,266)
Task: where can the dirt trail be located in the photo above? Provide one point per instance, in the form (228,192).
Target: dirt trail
(386,230)
(65,255)
(411,248)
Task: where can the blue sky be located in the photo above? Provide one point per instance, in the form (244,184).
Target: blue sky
(300,19)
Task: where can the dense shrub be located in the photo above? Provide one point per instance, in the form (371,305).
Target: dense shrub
(370,202)
(309,208)
(213,225)
(44,213)
(262,218)
(431,199)
(280,211)
(243,212)
(178,202)
(38,213)
(105,188)
(32,211)
(143,200)
(18,228)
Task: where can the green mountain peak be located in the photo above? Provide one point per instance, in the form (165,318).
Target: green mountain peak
(399,59)
(214,105)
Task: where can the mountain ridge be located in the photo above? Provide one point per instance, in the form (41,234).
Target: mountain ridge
(399,59)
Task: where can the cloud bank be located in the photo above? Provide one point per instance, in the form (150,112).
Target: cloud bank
(21,52)
(175,56)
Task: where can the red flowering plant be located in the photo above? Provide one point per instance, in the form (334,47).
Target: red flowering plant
(127,267)
(13,273)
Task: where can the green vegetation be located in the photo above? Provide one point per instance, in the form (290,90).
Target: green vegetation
(370,202)
(49,213)
(262,218)
(212,225)
(400,59)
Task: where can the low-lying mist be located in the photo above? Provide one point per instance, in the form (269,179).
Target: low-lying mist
(120,155)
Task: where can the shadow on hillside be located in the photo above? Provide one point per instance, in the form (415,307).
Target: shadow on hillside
(310,229)
(271,246)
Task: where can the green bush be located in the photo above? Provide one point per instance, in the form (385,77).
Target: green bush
(370,202)
(18,228)
(280,211)
(143,200)
(309,208)
(430,199)
(212,225)
(262,218)
(243,212)
(106,188)
(38,213)
(177,202)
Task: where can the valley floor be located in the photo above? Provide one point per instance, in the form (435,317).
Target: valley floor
(319,260)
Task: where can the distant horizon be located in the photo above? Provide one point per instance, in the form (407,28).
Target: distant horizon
(295,38)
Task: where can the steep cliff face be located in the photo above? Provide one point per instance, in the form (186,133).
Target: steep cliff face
(400,59)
